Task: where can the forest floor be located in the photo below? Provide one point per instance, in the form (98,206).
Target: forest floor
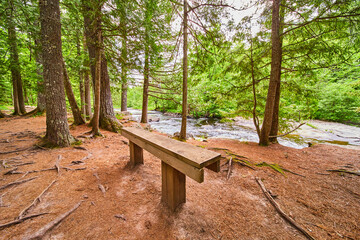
(326,204)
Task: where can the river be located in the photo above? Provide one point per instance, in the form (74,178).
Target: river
(243,129)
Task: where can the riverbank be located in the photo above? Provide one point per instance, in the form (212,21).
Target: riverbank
(238,128)
(324,203)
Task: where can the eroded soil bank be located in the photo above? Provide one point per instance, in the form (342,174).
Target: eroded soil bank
(324,203)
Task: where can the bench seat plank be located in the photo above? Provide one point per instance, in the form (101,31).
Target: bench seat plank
(191,171)
(192,155)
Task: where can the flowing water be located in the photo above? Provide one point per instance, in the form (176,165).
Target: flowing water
(243,130)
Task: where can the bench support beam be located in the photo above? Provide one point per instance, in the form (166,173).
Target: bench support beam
(173,186)
(136,154)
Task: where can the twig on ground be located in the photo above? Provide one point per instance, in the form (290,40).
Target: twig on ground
(16,183)
(5,225)
(80,148)
(73,169)
(100,186)
(36,201)
(344,171)
(278,209)
(41,233)
(229,169)
(57,164)
(215,148)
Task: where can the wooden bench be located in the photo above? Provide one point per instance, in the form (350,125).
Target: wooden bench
(177,160)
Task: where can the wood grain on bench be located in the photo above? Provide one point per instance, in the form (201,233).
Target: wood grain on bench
(177,160)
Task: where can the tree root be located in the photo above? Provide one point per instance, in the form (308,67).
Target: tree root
(5,225)
(110,123)
(282,214)
(16,183)
(42,231)
(36,201)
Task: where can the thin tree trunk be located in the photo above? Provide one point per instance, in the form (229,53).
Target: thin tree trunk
(144,117)
(275,74)
(107,117)
(78,120)
(81,79)
(255,117)
(124,88)
(57,128)
(87,95)
(95,120)
(19,105)
(275,119)
(185,76)
(41,102)
(87,85)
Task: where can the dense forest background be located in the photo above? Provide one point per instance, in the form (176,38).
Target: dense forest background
(229,60)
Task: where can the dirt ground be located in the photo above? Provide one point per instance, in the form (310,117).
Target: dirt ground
(326,204)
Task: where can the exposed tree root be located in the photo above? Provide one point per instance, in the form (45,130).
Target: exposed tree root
(282,214)
(5,225)
(110,123)
(17,183)
(42,231)
(15,151)
(36,201)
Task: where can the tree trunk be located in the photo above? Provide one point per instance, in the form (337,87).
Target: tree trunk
(124,88)
(185,76)
(97,88)
(87,95)
(87,84)
(81,79)
(19,105)
(275,119)
(275,74)
(144,118)
(57,128)
(78,120)
(107,119)
(41,102)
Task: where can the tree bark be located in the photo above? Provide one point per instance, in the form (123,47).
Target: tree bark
(275,74)
(57,128)
(124,88)
(144,117)
(18,97)
(107,117)
(78,119)
(81,78)
(185,76)
(87,95)
(97,88)
(275,119)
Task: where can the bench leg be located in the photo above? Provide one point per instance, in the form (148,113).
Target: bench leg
(214,166)
(136,154)
(173,186)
